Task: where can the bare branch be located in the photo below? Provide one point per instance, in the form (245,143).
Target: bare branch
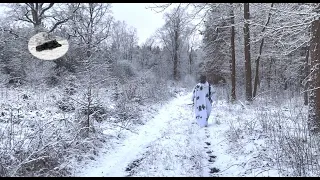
(28,19)
(45,9)
(11,32)
(65,20)
(161,7)
(57,24)
(31,5)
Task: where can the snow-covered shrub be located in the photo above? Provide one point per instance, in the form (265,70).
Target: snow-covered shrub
(189,81)
(65,105)
(152,88)
(37,139)
(130,90)
(3,171)
(235,131)
(279,133)
(32,150)
(124,70)
(127,112)
(70,85)
(52,81)
(295,148)
(97,112)
(146,87)
(70,90)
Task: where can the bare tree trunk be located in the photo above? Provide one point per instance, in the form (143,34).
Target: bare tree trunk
(269,73)
(175,57)
(233,57)
(306,71)
(314,95)
(190,60)
(36,8)
(88,111)
(247,52)
(256,78)
(38,12)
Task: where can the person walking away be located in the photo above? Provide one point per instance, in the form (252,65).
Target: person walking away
(202,101)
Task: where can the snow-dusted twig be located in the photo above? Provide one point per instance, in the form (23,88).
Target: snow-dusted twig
(242,105)
(124,128)
(242,165)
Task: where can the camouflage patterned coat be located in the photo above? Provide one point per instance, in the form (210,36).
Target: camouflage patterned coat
(202,103)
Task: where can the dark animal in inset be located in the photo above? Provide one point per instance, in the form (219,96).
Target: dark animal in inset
(48,45)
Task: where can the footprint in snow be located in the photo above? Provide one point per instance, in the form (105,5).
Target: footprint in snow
(212,158)
(209,152)
(214,170)
(207,143)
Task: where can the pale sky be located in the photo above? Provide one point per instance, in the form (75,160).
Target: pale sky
(136,15)
(146,21)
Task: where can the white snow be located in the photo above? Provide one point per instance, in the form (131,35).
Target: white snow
(170,144)
(114,164)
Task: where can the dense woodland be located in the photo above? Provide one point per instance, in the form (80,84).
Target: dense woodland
(51,110)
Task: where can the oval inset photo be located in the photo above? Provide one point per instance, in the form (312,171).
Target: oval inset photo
(46,47)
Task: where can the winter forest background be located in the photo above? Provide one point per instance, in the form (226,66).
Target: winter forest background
(261,56)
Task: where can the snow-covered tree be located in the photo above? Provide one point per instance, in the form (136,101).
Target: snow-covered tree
(174,35)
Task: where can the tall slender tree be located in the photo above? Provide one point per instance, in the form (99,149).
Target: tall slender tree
(173,35)
(256,79)
(306,73)
(246,30)
(314,95)
(233,56)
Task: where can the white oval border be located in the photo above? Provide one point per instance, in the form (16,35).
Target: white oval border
(47,54)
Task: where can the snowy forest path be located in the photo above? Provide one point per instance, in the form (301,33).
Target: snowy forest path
(170,144)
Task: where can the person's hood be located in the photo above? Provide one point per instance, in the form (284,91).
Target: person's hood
(206,84)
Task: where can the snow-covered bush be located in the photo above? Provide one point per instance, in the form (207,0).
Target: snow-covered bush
(124,70)
(39,139)
(295,148)
(127,112)
(282,126)
(65,105)
(189,81)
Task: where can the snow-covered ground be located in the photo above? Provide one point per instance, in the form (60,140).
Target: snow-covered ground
(264,138)
(171,144)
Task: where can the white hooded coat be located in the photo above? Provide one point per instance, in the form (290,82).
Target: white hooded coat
(202,104)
